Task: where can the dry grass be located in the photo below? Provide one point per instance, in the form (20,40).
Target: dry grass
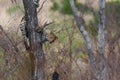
(14,59)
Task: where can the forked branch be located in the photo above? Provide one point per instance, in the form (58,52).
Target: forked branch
(85,36)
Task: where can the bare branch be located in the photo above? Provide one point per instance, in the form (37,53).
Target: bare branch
(13,1)
(41,28)
(80,25)
(101,35)
(46,24)
(41,6)
(85,36)
(101,40)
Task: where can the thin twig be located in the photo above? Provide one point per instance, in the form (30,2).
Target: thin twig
(41,6)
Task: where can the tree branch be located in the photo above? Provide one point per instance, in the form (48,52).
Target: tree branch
(101,40)
(85,36)
(41,6)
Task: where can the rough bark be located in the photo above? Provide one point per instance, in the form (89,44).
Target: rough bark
(36,51)
(101,40)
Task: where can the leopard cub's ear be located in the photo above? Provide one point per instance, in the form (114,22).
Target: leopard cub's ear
(38,29)
(52,37)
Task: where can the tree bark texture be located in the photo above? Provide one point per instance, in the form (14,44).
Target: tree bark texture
(36,51)
(101,41)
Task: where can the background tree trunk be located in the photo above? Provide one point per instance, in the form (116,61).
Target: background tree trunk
(100,74)
(101,40)
(85,36)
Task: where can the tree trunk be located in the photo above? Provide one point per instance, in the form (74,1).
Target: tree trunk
(100,74)
(36,51)
(85,36)
(101,41)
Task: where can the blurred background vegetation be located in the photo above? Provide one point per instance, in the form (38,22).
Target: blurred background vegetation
(67,55)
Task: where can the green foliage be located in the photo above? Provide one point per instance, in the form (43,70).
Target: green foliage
(112,12)
(55,6)
(63,8)
(92,28)
(75,45)
(1,55)
(83,8)
(117,9)
(1,51)
(12,9)
(82,55)
(114,6)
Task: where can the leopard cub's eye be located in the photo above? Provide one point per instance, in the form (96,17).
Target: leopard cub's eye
(52,37)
